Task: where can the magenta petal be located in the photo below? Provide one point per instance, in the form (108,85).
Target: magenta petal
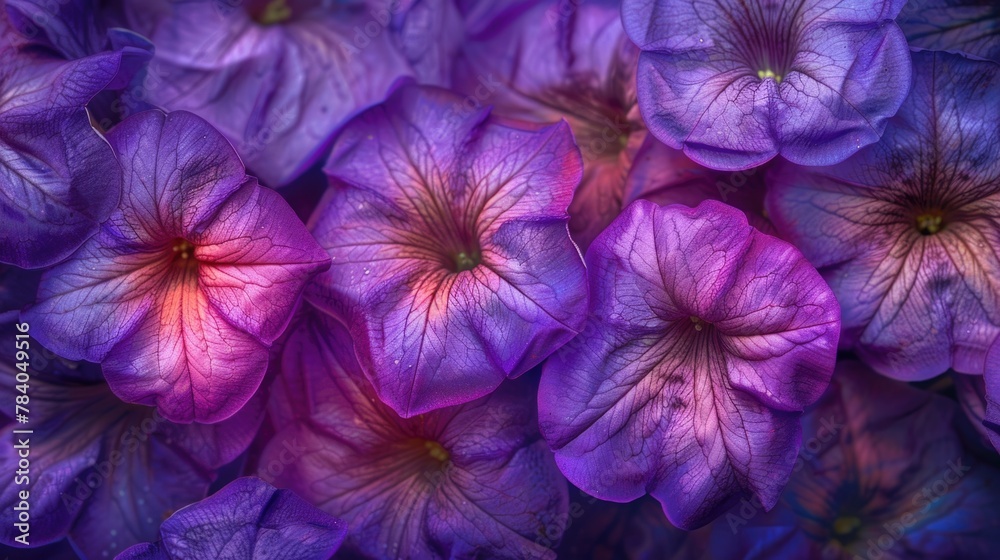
(448,238)
(256,254)
(706,340)
(187,360)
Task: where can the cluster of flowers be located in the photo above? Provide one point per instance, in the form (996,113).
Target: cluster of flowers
(512,271)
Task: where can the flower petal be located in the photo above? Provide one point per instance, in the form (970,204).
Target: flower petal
(247,519)
(58,178)
(971,26)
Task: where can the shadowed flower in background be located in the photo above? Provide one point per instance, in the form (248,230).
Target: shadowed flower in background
(970,26)
(564,59)
(248,519)
(58,177)
(665,176)
(451,259)
(275,77)
(907,232)
(74,29)
(188,282)
(469,481)
(888,481)
(103,472)
(705,341)
(970,390)
(736,83)
(991,420)
(634,531)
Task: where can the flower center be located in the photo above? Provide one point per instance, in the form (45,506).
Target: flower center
(699,325)
(929,223)
(765,74)
(183,253)
(437,451)
(275,11)
(846,525)
(767,39)
(465,260)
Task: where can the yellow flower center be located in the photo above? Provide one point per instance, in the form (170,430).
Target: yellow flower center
(765,74)
(276,11)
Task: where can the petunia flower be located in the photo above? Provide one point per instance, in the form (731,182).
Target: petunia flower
(705,341)
(58,178)
(907,231)
(190,280)
(471,481)
(248,519)
(564,60)
(882,474)
(969,26)
(276,77)
(452,263)
(735,83)
(102,472)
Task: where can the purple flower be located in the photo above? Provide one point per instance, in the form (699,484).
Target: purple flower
(248,519)
(907,231)
(706,339)
(58,178)
(188,282)
(461,482)
(882,475)
(971,26)
(275,77)
(564,60)
(735,83)
(452,263)
(103,472)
